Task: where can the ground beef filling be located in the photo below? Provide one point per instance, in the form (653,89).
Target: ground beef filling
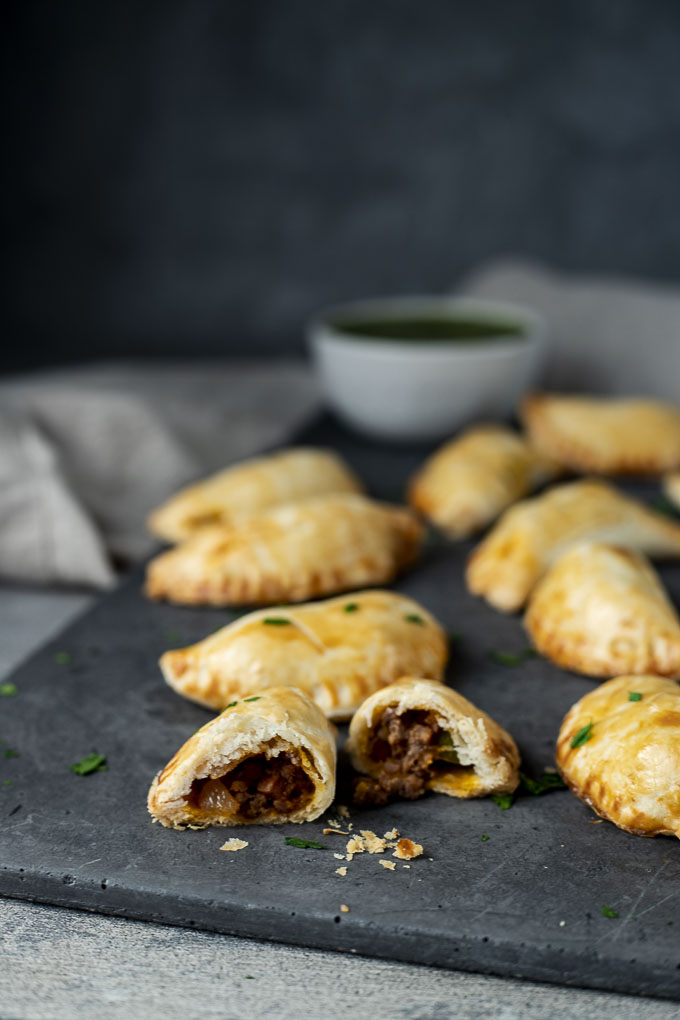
(409,750)
(255,787)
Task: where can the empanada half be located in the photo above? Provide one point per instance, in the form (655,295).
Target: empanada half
(601,610)
(626,760)
(235,494)
(531,535)
(470,480)
(338,652)
(604,435)
(418,735)
(290,553)
(267,759)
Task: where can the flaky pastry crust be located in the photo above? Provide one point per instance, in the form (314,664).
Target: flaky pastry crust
(601,610)
(235,494)
(338,651)
(470,480)
(281,720)
(531,535)
(291,553)
(604,435)
(628,770)
(488,756)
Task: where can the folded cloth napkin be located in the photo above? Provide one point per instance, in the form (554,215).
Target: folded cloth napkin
(84,455)
(607,335)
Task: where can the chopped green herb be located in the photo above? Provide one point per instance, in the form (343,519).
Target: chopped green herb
(608,912)
(445,749)
(304,844)
(62,658)
(664,506)
(634,696)
(276,621)
(7,782)
(513,658)
(90,763)
(173,635)
(9,753)
(351,607)
(414,618)
(249,977)
(484,838)
(530,653)
(583,735)
(548,781)
(256,698)
(503,800)
(230,705)
(6,690)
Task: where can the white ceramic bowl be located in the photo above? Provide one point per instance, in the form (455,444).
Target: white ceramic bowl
(419,389)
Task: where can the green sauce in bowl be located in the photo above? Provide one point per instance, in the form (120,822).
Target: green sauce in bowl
(429,329)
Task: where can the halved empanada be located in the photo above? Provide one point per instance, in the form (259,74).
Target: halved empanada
(619,751)
(605,435)
(418,735)
(601,610)
(468,482)
(338,652)
(671,485)
(268,758)
(531,535)
(290,553)
(238,492)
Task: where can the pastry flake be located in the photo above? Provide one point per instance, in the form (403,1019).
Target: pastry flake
(338,652)
(604,435)
(469,481)
(601,610)
(418,735)
(531,535)
(628,768)
(235,494)
(268,759)
(290,553)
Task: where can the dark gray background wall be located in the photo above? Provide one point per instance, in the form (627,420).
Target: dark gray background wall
(198,175)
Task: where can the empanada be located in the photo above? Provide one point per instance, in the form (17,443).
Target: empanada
(605,435)
(238,492)
(601,610)
(268,758)
(531,535)
(418,735)
(671,485)
(469,481)
(338,652)
(290,553)
(619,751)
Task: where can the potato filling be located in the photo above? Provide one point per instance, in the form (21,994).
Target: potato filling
(255,787)
(411,749)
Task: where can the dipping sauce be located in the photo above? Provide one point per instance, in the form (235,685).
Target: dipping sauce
(429,329)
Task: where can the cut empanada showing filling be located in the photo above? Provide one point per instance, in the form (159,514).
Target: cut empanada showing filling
(418,735)
(269,758)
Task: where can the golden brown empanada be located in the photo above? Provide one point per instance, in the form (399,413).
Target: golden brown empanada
(601,610)
(268,758)
(619,751)
(671,485)
(531,535)
(469,481)
(604,435)
(338,652)
(418,735)
(238,492)
(290,553)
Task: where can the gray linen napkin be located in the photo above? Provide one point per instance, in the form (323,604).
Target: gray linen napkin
(85,454)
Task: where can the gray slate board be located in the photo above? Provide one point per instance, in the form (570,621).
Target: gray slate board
(494,906)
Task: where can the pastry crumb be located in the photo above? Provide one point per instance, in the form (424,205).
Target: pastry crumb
(335,832)
(234,844)
(374,844)
(339,857)
(562,924)
(344,908)
(335,823)
(406,850)
(390,865)
(341,871)
(343,811)
(392,834)
(355,845)
(594,821)
(406,865)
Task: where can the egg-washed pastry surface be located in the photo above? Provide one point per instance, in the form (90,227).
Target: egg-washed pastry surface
(619,751)
(338,652)
(470,480)
(238,492)
(605,435)
(290,553)
(531,535)
(601,610)
(418,735)
(267,759)
(671,486)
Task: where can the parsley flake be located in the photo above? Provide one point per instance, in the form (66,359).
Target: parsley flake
(304,844)
(7,690)
(276,621)
(503,800)
(7,782)
(664,506)
(484,838)
(256,698)
(513,658)
(608,912)
(62,658)
(351,607)
(230,705)
(10,753)
(90,763)
(632,695)
(548,781)
(583,735)
(414,618)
